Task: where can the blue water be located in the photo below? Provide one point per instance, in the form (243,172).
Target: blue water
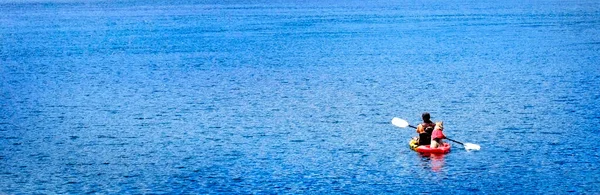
(261,97)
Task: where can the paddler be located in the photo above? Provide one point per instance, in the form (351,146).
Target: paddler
(425,129)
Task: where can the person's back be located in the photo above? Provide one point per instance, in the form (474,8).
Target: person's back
(425,129)
(425,137)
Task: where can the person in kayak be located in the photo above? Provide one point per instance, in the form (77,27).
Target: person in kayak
(437,135)
(425,129)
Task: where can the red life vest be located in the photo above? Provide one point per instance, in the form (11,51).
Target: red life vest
(438,134)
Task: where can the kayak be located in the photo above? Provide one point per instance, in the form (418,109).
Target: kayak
(425,148)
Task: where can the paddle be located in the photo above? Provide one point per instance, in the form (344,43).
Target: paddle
(398,122)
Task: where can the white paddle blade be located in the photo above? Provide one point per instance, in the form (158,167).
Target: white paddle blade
(398,122)
(470,146)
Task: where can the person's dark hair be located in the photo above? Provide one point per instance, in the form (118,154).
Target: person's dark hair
(426,117)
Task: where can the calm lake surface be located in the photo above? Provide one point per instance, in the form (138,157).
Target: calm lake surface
(261,97)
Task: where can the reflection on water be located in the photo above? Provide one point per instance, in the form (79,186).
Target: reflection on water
(435,162)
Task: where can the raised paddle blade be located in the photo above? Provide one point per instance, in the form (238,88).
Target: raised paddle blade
(398,122)
(470,146)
